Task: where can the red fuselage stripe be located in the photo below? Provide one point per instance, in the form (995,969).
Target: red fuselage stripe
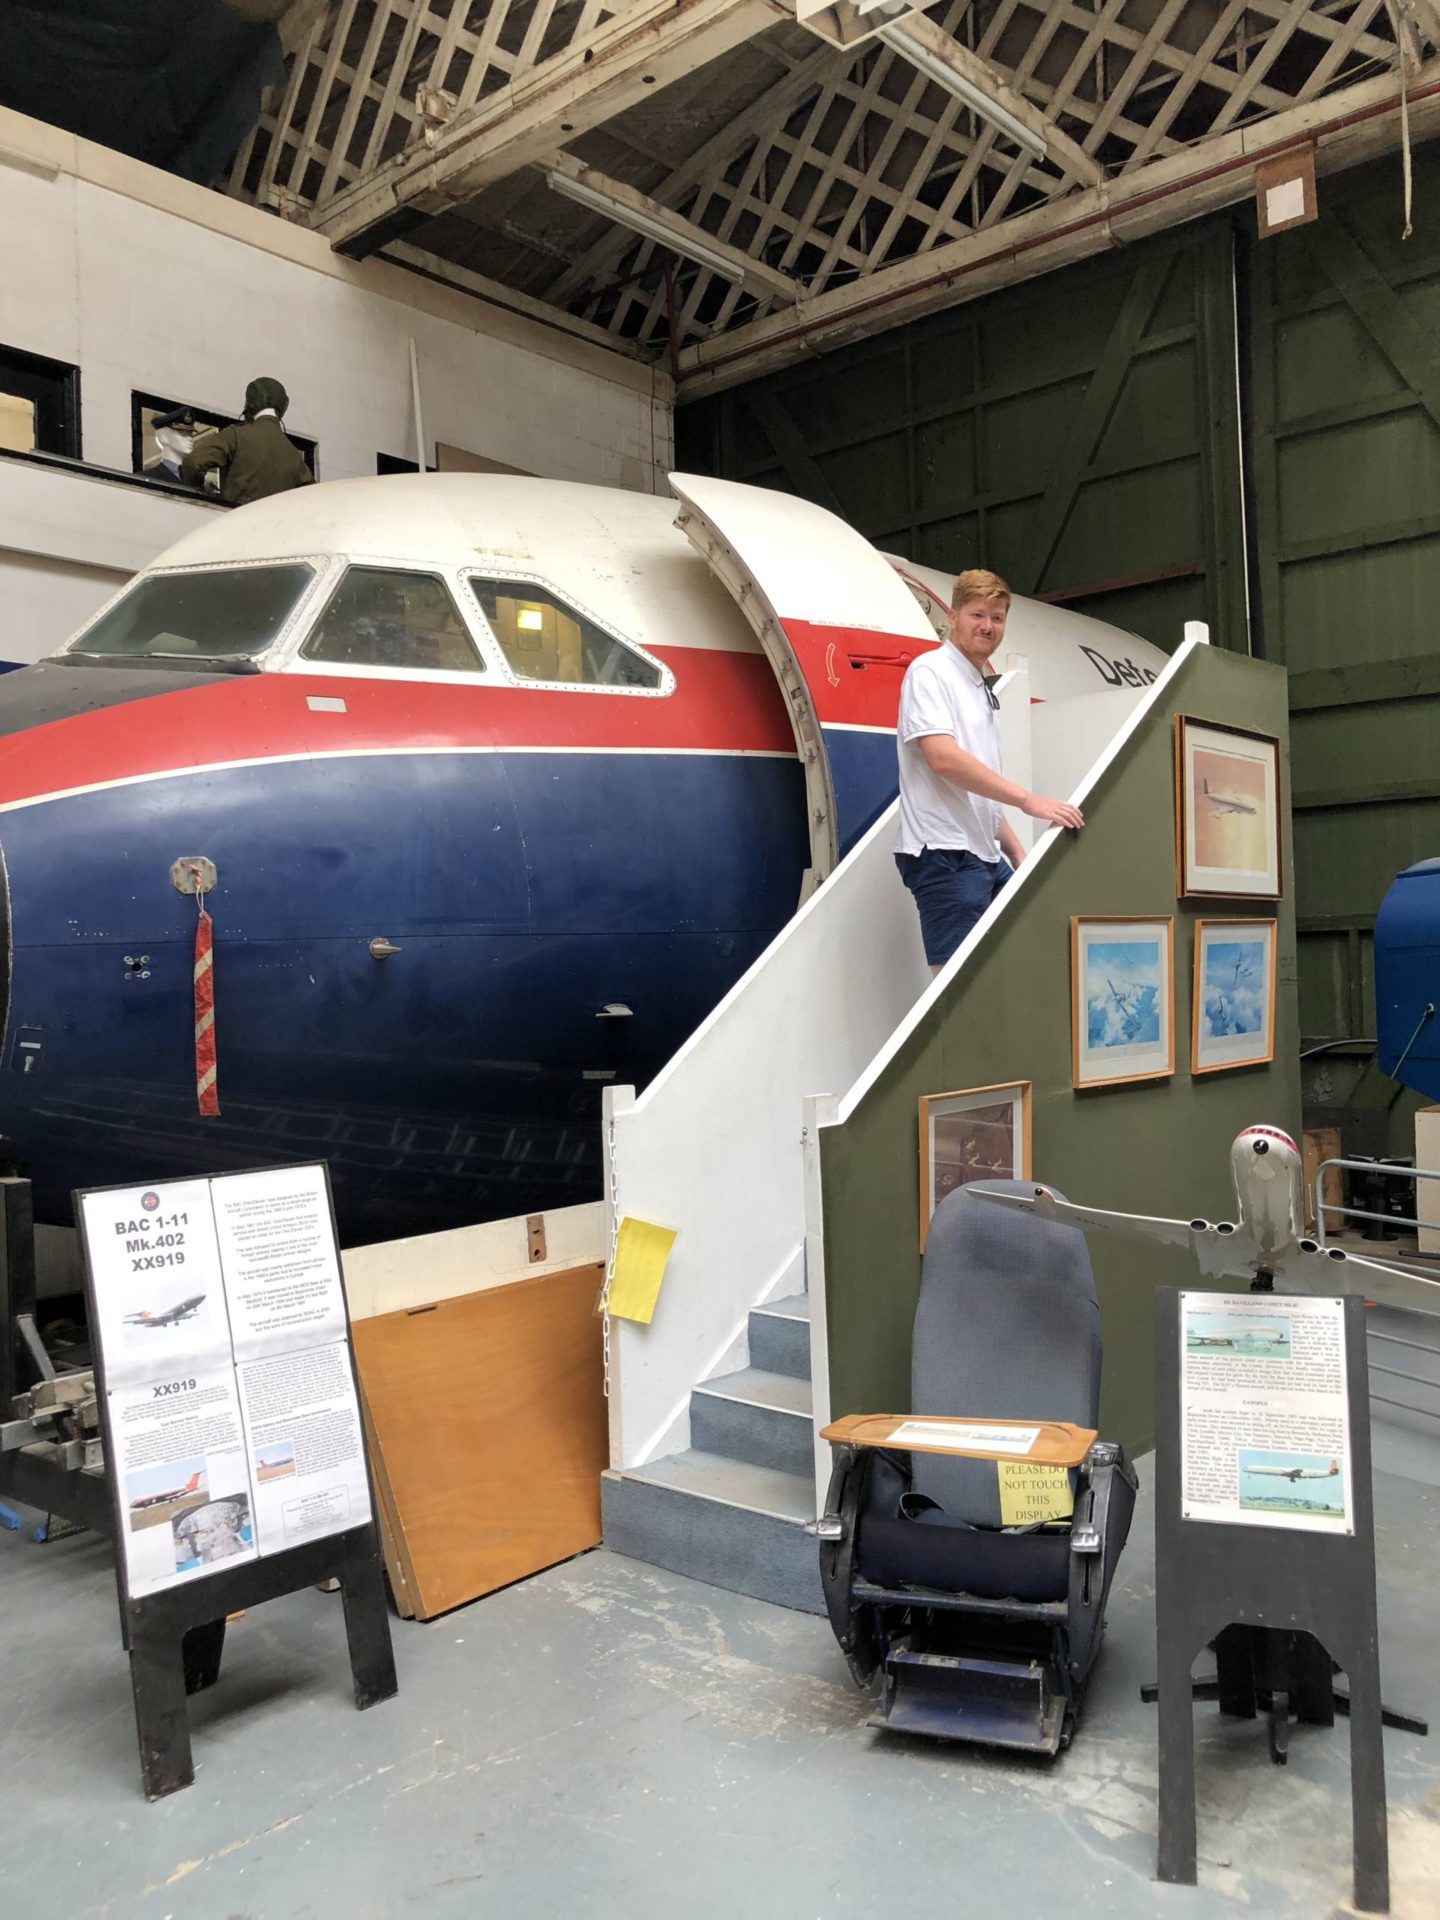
(723,703)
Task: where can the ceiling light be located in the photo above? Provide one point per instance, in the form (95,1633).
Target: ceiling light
(598,201)
(530,619)
(936,68)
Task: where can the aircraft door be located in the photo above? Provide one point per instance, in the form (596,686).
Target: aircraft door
(838,626)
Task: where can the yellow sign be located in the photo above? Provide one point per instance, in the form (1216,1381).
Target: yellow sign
(1030,1493)
(641,1250)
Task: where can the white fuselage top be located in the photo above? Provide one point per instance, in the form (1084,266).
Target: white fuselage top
(943,693)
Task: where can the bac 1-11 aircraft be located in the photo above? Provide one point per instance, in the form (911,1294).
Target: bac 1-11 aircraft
(1267,1242)
(181,1311)
(164,1499)
(504,782)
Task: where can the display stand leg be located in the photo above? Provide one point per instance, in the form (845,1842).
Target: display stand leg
(162,1715)
(1176,1861)
(367,1630)
(1367,1783)
(200,1651)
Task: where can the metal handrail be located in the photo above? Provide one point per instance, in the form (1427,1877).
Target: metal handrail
(1323,1206)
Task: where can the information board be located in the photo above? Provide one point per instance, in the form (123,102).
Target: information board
(1265,1425)
(232,1422)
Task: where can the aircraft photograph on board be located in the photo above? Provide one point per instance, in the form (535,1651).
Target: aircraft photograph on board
(169,1316)
(1291,1483)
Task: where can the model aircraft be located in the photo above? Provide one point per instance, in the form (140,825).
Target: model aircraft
(1292,1474)
(163,1499)
(505,782)
(182,1311)
(1222,803)
(1266,1243)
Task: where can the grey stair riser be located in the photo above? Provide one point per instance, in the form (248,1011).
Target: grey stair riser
(780,1343)
(733,1547)
(765,1436)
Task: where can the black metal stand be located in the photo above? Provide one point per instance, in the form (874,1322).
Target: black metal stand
(1280,1607)
(177,1637)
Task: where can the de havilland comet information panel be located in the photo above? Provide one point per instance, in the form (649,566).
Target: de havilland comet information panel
(233,1426)
(1264,1412)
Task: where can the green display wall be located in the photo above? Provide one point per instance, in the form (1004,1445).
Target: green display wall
(1157,1147)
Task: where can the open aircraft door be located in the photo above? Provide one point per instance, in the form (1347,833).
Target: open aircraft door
(838,625)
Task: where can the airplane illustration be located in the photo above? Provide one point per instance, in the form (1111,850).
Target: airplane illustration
(505,782)
(170,1493)
(1267,1242)
(1292,1474)
(1223,803)
(181,1311)
(1135,1005)
(1277,1336)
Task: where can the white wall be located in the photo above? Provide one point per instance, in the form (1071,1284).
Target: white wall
(151,284)
(713,1146)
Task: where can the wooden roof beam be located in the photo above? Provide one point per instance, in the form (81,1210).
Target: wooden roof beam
(627,59)
(631,208)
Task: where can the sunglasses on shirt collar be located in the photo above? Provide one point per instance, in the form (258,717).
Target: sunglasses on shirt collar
(988,681)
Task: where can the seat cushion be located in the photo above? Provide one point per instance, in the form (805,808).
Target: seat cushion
(895,1552)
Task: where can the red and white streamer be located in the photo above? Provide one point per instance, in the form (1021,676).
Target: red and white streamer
(207,1092)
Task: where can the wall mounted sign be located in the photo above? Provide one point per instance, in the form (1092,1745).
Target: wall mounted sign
(1227,813)
(1233,1000)
(1122,1000)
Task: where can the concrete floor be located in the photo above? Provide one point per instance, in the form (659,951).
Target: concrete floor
(610,1740)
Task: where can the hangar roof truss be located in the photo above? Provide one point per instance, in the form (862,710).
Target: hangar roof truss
(842,172)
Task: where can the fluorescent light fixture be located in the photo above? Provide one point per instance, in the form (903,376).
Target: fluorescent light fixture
(935,68)
(598,201)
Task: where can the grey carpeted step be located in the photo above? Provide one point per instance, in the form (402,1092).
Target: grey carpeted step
(761,1417)
(722,1520)
(780,1336)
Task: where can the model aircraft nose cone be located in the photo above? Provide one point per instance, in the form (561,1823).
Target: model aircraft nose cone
(1262,1146)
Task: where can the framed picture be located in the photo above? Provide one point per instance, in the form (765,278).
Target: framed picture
(1122,1001)
(1233,1023)
(1227,812)
(980,1134)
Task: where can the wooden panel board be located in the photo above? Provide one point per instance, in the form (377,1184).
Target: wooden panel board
(1322,1143)
(490,1434)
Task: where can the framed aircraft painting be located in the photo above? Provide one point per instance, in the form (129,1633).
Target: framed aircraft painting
(1233,1019)
(982,1133)
(1227,813)
(1122,1000)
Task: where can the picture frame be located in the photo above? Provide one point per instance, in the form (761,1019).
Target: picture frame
(1232,1020)
(1227,813)
(1122,999)
(977,1133)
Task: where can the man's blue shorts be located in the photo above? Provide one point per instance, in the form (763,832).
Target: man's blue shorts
(952,889)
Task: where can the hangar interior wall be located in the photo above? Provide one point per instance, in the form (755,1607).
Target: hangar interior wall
(1154,1147)
(149,284)
(1206,426)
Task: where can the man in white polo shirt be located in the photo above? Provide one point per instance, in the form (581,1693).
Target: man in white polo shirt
(956,849)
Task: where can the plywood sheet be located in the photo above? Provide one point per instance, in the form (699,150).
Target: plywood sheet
(489,1420)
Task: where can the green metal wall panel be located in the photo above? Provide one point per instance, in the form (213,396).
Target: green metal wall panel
(1160,1147)
(1344,320)
(1078,433)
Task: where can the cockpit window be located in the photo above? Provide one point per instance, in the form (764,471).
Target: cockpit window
(542,639)
(229,613)
(382,617)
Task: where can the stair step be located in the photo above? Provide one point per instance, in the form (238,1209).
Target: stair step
(754,1415)
(780,1336)
(718,1519)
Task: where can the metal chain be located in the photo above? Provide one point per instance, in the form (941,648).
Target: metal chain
(610,1260)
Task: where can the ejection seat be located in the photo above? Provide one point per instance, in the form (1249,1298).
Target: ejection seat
(982,1631)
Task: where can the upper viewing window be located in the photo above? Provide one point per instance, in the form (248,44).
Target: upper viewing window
(542,639)
(156,451)
(39,404)
(229,614)
(380,617)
